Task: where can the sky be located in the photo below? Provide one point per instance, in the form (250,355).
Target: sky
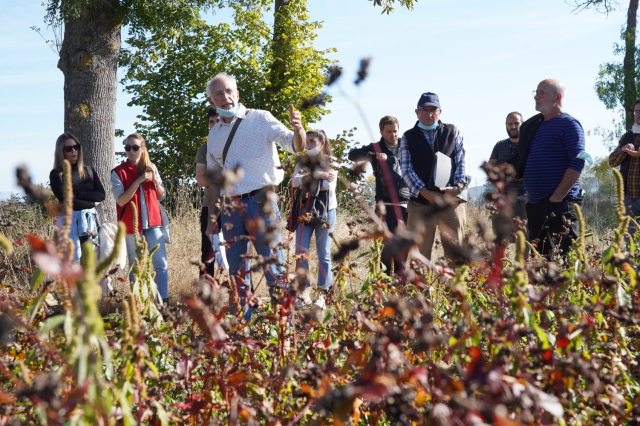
(483,59)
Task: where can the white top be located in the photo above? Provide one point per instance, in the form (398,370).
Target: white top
(117,187)
(326,185)
(253,148)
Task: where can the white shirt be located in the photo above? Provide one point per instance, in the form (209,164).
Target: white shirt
(253,148)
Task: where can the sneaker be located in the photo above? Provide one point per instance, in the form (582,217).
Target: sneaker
(303,299)
(320,301)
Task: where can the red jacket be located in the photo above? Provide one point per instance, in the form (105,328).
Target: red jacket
(128,173)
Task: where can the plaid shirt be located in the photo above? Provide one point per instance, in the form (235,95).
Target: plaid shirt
(414,183)
(632,190)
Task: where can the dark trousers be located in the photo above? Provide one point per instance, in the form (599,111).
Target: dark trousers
(206,247)
(392,224)
(548,231)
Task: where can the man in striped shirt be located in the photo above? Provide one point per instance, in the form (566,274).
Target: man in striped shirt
(418,148)
(550,144)
(627,156)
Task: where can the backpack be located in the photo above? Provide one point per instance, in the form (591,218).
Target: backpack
(310,208)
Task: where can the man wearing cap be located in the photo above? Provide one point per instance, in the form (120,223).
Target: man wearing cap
(418,148)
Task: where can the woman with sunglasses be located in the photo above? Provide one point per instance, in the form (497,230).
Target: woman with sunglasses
(88,192)
(137,181)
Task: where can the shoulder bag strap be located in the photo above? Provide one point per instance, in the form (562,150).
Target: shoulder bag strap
(229,139)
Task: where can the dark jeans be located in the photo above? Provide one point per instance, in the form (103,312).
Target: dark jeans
(205,247)
(547,231)
(392,224)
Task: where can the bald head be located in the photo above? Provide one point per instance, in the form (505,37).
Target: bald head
(556,85)
(549,96)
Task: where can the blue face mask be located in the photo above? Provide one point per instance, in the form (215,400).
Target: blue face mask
(229,113)
(423,127)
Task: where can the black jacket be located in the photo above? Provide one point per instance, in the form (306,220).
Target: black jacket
(527,132)
(393,162)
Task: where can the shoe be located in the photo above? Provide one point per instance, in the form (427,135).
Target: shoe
(303,299)
(320,300)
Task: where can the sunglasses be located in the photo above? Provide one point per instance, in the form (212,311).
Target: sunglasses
(130,147)
(75,147)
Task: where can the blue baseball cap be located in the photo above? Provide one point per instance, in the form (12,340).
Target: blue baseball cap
(429,99)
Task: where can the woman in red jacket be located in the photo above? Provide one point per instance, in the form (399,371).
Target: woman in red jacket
(137,181)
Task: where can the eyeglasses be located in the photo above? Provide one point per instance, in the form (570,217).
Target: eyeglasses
(540,93)
(429,111)
(636,112)
(130,147)
(222,93)
(75,147)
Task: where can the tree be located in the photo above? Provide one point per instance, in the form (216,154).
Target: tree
(89,61)
(89,56)
(167,73)
(608,87)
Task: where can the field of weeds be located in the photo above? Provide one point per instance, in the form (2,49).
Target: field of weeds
(497,340)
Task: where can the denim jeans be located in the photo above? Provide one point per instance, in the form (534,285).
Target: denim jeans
(82,221)
(238,223)
(632,205)
(153,236)
(323,247)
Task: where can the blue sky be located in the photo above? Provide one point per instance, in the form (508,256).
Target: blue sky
(483,58)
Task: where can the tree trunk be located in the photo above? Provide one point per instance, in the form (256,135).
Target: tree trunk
(629,64)
(281,46)
(89,61)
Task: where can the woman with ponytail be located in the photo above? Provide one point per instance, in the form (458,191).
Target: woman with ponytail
(88,192)
(137,181)
(312,170)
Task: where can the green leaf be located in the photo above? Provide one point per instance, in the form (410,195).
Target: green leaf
(52,323)
(36,279)
(35,306)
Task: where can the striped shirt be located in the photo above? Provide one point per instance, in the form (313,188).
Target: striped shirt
(253,148)
(632,189)
(412,180)
(553,151)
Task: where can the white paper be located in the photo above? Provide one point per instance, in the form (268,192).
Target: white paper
(443,170)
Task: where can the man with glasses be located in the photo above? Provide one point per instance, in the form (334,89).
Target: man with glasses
(418,152)
(627,156)
(549,160)
(247,138)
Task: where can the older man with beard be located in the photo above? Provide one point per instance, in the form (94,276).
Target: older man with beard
(550,147)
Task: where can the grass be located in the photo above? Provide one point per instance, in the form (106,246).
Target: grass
(18,219)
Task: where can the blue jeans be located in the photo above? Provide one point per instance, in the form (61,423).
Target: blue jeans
(632,205)
(323,247)
(82,222)
(153,236)
(242,223)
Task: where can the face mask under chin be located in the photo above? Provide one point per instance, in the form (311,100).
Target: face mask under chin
(229,113)
(423,127)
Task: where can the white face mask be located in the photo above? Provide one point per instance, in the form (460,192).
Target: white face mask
(313,151)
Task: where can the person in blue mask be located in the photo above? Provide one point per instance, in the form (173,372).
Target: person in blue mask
(419,149)
(247,139)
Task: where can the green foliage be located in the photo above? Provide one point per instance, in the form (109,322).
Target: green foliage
(167,72)
(138,15)
(610,86)
(387,5)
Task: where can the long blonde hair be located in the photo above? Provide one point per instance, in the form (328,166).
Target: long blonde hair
(144,161)
(58,158)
